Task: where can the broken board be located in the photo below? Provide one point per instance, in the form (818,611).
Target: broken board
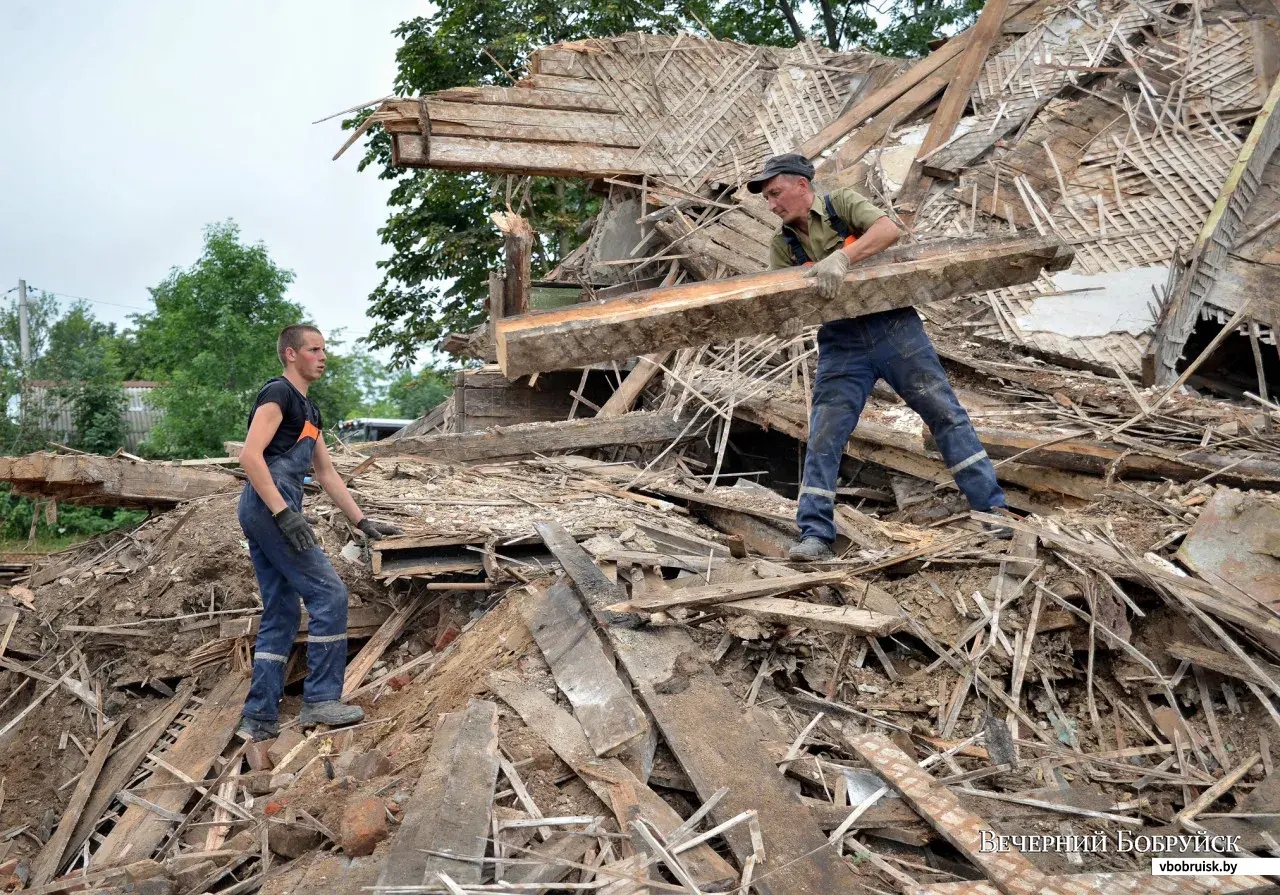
(452,803)
(718,310)
(584,672)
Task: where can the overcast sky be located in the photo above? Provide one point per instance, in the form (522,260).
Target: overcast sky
(130,124)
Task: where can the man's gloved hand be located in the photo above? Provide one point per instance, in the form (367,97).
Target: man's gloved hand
(790,330)
(830,273)
(376,531)
(294,527)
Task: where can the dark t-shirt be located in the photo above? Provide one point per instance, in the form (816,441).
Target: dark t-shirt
(297,410)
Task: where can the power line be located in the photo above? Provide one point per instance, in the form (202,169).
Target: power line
(96,301)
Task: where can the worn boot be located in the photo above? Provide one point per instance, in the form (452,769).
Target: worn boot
(258,730)
(810,550)
(330,714)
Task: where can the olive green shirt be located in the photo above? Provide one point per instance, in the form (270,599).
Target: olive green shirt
(855,209)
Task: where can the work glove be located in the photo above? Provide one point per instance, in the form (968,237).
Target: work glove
(376,531)
(830,273)
(293,525)
(790,330)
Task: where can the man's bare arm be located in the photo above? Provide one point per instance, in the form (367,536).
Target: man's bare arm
(266,420)
(879,236)
(333,484)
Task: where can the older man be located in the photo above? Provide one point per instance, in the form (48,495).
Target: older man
(829,233)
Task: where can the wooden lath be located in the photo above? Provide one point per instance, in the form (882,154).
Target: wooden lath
(1194,286)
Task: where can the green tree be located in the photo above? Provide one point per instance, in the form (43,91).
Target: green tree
(211,342)
(24,425)
(82,359)
(413,395)
(442,244)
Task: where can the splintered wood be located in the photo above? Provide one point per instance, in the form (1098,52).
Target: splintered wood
(447,819)
(699,313)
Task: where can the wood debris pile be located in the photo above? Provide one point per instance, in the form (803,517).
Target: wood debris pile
(587,664)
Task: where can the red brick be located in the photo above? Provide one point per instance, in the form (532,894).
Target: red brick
(258,755)
(447,635)
(364,825)
(274,808)
(399,681)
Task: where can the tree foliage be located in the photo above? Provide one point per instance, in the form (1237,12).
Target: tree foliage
(442,245)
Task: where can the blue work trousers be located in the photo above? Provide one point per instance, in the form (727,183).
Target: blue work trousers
(288,580)
(854,353)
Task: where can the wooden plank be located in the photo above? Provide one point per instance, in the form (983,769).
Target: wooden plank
(139,831)
(526,439)
(943,124)
(585,674)
(1101,458)
(604,775)
(453,153)
(719,746)
(628,392)
(1009,871)
(451,805)
(517,258)
(841,619)
(359,667)
(699,313)
(123,762)
(90,480)
(716,744)
(871,105)
(740,590)
(49,860)
(1222,663)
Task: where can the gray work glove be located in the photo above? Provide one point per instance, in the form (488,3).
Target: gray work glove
(830,273)
(790,330)
(376,531)
(293,525)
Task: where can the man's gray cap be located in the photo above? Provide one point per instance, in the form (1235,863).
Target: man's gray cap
(788,163)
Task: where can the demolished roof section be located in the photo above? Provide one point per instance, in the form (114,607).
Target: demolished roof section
(687,110)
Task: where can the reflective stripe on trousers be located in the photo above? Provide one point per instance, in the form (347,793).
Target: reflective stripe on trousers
(288,580)
(854,353)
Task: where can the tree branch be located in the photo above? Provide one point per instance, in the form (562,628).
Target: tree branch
(829,25)
(789,13)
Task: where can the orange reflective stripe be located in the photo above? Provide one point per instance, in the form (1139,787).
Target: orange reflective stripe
(309,431)
(850,240)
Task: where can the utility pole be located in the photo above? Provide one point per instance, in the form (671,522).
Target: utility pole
(24,333)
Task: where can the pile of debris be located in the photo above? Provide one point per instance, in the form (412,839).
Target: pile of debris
(587,665)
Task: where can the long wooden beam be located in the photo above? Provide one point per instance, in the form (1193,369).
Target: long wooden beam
(527,439)
(699,313)
(873,104)
(91,480)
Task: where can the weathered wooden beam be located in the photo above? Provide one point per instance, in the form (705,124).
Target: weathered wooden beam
(713,594)
(840,619)
(518,242)
(450,808)
(526,439)
(453,153)
(984,34)
(699,313)
(628,392)
(1100,458)
(1010,871)
(139,831)
(605,776)
(716,745)
(90,480)
(583,671)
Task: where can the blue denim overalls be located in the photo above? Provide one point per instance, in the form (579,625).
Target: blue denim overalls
(284,575)
(852,354)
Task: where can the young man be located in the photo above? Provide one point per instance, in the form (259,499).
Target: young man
(832,232)
(282,446)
